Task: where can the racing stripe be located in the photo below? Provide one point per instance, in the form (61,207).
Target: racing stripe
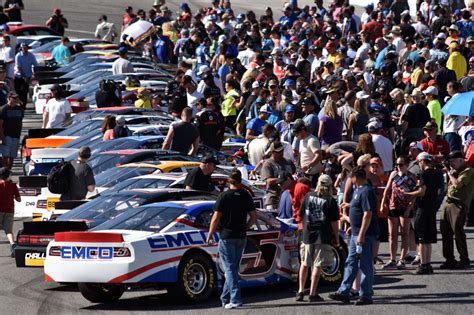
(143,269)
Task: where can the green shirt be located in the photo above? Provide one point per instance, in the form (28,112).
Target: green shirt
(463,194)
(434,108)
(228,107)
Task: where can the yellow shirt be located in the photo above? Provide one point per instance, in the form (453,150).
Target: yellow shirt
(458,64)
(143,103)
(415,75)
(228,107)
(434,108)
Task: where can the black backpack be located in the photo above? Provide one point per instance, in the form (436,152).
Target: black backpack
(59,178)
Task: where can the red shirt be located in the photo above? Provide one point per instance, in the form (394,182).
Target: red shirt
(297,198)
(436,147)
(374,29)
(8,191)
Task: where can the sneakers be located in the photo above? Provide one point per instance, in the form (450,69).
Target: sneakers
(229,306)
(401,265)
(416,261)
(299,297)
(463,264)
(424,270)
(448,264)
(316,298)
(390,265)
(339,297)
(378,260)
(12,253)
(363,301)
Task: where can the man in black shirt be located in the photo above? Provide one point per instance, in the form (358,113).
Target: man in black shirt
(175,95)
(230,219)
(211,126)
(82,178)
(200,177)
(182,135)
(11,120)
(13,9)
(430,186)
(414,119)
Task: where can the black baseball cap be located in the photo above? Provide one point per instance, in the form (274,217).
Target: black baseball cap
(209,159)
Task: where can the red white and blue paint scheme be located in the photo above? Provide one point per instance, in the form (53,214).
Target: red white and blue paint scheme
(164,245)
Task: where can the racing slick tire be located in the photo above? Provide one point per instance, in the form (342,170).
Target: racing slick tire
(334,273)
(100,292)
(196,279)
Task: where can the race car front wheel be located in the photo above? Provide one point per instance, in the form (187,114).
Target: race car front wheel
(101,293)
(196,279)
(333,273)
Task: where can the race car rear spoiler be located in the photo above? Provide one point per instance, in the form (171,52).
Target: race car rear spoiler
(43,133)
(51,227)
(69,204)
(35,181)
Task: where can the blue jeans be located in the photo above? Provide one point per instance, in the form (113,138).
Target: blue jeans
(454,141)
(230,253)
(363,261)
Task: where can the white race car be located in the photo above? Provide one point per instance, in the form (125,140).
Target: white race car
(164,245)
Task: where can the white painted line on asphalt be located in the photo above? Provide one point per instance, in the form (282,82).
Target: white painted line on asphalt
(79,31)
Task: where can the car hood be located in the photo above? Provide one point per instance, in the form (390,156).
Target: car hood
(53,153)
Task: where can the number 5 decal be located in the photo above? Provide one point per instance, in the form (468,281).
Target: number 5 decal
(260,254)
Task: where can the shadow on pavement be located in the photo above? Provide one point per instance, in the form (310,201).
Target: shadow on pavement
(431,298)
(64,288)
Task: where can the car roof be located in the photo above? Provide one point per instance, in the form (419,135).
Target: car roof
(161,164)
(137,151)
(158,190)
(170,176)
(190,204)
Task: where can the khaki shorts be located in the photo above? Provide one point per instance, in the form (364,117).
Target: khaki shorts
(316,255)
(6,222)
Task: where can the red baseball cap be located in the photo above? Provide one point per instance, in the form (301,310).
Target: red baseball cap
(431,82)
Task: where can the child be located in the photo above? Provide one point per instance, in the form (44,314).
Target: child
(8,193)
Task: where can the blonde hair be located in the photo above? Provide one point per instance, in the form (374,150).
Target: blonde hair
(324,191)
(360,106)
(330,109)
(363,160)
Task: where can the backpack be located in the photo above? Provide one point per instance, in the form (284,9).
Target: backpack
(59,178)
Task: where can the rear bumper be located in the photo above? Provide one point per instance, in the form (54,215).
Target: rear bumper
(30,256)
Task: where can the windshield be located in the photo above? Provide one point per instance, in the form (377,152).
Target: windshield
(104,208)
(81,128)
(151,219)
(88,76)
(102,162)
(47,47)
(142,183)
(116,175)
(88,139)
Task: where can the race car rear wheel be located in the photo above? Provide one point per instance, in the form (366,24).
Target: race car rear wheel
(101,293)
(196,278)
(333,274)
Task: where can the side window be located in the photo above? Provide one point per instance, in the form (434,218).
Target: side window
(176,170)
(203,220)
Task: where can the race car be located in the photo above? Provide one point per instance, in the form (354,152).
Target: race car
(164,245)
(35,236)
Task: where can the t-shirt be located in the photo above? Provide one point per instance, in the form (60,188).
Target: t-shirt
(61,54)
(143,103)
(209,125)
(416,115)
(230,98)
(122,65)
(7,54)
(12,120)
(438,146)
(332,130)
(185,134)
(8,191)
(81,178)
(463,193)
(433,181)
(364,199)
(256,126)
(197,180)
(272,169)
(317,214)
(384,148)
(14,14)
(308,148)
(256,149)
(57,110)
(234,205)
(434,107)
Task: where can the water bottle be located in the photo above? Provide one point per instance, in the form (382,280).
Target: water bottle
(359,249)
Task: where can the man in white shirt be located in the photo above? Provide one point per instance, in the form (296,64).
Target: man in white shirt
(309,151)
(105,30)
(58,109)
(7,55)
(122,65)
(383,146)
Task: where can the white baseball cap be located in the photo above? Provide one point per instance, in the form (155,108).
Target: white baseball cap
(362,95)
(431,90)
(222,38)
(256,85)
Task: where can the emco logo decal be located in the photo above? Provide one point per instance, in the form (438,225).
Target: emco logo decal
(87,253)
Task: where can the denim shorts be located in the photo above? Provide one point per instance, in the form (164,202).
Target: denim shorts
(9,147)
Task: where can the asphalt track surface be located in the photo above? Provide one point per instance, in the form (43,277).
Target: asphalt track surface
(23,291)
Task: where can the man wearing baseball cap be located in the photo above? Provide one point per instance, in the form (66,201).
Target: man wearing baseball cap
(433,143)
(434,106)
(285,126)
(122,64)
(309,151)
(429,187)
(255,125)
(454,210)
